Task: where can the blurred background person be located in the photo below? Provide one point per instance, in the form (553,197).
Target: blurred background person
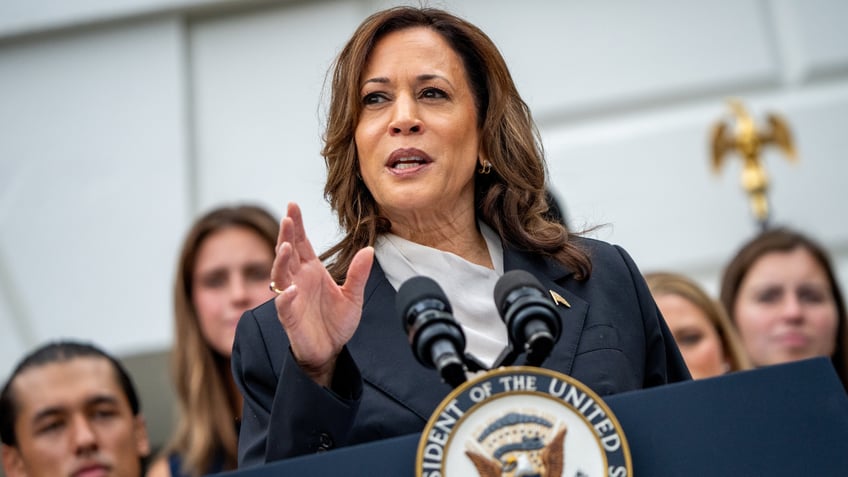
(701,328)
(224,269)
(781,293)
(69,408)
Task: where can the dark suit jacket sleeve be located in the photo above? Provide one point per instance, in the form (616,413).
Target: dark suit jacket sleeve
(285,413)
(663,361)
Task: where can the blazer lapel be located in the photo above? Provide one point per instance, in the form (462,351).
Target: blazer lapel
(381,349)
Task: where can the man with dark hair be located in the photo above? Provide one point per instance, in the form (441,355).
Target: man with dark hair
(70,409)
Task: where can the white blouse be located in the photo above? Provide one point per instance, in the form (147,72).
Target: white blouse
(468,286)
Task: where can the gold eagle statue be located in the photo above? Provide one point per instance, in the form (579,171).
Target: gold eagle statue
(749,142)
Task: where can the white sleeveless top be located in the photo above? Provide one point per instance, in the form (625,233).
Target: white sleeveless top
(468,286)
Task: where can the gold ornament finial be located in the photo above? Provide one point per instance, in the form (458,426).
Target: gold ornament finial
(749,142)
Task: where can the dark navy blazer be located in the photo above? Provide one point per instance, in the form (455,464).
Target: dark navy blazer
(613,340)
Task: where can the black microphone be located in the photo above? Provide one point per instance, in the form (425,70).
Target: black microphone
(531,319)
(436,338)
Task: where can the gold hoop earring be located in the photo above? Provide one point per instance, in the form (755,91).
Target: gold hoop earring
(485,168)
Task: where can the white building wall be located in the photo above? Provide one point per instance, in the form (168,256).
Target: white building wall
(121,121)
(92,184)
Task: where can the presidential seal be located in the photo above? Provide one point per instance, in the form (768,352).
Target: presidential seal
(523,421)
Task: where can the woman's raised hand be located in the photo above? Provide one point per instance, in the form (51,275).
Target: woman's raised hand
(318,315)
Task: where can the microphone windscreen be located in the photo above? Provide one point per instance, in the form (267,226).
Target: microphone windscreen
(417,289)
(513,280)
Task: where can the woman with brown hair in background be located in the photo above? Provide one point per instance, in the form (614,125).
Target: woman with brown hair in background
(781,292)
(703,332)
(223,270)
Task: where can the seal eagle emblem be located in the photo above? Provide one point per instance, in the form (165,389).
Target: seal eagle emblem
(523,422)
(519,444)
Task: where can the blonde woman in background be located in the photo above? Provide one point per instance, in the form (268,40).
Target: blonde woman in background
(224,269)
(703,332)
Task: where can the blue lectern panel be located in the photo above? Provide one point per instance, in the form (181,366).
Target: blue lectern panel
(787,420)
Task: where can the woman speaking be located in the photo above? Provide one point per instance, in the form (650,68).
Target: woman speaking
(435,168)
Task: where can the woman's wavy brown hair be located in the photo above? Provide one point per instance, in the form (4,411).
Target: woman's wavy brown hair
(209,404)
(665,283)
(782,240)
(511,199)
